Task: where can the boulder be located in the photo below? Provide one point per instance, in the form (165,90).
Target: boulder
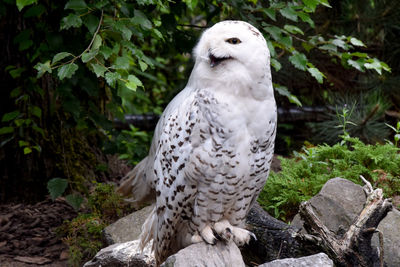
(338,204)
(390,227)
(123,254)
(205,255)
(127,228)
(317,260)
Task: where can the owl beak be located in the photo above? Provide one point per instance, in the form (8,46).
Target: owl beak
(214,61)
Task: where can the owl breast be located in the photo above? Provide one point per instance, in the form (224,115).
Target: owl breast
(231,155)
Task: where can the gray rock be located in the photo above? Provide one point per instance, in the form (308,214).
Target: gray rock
(204,255)
(317,260)
(127,228)
(390,227)
(123,254)
(338,204)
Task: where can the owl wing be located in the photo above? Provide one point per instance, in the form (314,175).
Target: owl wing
(174,193)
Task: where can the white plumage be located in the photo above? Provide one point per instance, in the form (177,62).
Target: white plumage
(212,148)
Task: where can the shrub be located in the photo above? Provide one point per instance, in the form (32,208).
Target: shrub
(304,175)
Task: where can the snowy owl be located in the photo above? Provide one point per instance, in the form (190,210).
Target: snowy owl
(212,147)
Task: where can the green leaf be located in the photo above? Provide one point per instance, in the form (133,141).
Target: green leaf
(140,18)
(282,90)
(319,76)
(99,69)
(67,71)
(75,5)
(356,42)
(38,129)
(97,42)
(23,3)
(27,150)
(60,56)
(87,56)
(143,66)
(122,63)
(274,32)
(106,51)
(6,130)
(112,77)
(340,43)
(10,116)
(312,4)
(306,18)
(374,65)
(36,111)
(126,32)
(328,47)
(299,60)
(289,13)
(42,68)
(356,64)
(293,29)
(271,13)
(276,64)
(23,143)
(74,200)
(133,82)
(72,20)
(34,11)
(91,22)
(56,187)
(191,4)
(324,3)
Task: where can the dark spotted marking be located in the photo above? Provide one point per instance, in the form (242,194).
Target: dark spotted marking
(180,188)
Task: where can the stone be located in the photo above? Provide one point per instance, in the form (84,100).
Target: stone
(123,254)
(338,204)
(127,228)
(205,255)
(317,260)
(390,227)
(33,260)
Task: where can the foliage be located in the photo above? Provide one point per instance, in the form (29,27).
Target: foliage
(83,235)
(303,176)
(359,116)
(75,66)
(132,145)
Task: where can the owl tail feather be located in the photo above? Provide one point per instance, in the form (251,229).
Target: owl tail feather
(148,229)
(136,185)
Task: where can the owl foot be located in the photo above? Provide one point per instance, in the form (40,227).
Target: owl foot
(208,235)
(226,231)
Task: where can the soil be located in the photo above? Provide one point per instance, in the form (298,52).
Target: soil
(28,236)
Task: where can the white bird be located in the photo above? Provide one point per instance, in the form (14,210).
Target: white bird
(212,147)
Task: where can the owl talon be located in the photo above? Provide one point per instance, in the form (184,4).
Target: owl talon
(223,230)
(208,235)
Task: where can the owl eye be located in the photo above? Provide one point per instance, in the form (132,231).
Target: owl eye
(233,40)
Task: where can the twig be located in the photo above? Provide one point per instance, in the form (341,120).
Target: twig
(368,185)
(87,48)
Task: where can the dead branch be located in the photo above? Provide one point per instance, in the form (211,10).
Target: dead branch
(354,248)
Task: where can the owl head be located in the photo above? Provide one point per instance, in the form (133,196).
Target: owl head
(233,53)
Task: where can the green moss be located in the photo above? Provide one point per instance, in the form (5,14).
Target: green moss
(83,235)
(303,176)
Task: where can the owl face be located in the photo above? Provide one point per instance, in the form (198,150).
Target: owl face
(233,45)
